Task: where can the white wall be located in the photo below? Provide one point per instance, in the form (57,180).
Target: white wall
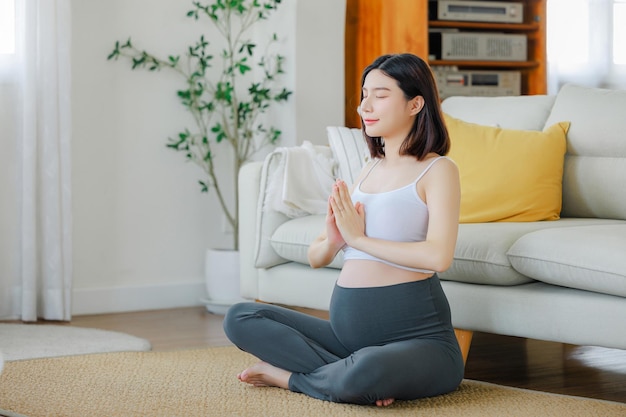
(141,226)
(319,57)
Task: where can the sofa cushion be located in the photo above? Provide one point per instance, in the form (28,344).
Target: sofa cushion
(514,112)
(291,240)
(481,250)
(480,256)
(350,151)
(595,163)
(507,174)
(584,257)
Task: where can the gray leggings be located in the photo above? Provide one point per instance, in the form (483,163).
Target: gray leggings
(382,342)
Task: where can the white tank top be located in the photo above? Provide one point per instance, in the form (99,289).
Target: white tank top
(399,215)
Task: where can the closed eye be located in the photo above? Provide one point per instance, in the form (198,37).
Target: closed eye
(376,96)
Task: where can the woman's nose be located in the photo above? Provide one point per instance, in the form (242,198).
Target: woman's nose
(364,106)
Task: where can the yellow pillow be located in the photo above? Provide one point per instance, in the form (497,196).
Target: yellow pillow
(508,175)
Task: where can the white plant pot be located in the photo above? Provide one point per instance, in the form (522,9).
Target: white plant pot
(221,270)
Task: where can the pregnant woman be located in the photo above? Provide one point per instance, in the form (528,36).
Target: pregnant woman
(389,335)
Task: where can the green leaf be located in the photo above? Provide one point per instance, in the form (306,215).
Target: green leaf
(115,53)
(137,62)
(248,47)
(275,135)
(181,143)
(184,94)
(283,95)
(224,92)
(243,68)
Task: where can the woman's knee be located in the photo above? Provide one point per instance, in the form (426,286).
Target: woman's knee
(234,320)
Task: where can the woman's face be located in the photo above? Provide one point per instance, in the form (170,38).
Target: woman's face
(385,111)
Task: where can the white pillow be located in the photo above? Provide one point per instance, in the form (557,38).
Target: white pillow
(350,151)
(507,112)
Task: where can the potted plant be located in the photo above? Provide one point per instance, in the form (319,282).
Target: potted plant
(223,95)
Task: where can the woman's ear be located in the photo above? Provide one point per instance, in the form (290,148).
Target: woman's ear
(417,103)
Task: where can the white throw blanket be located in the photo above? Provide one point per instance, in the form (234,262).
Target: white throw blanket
(302,181)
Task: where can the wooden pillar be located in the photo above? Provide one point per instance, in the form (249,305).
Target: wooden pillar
(537,77)
(374,28)
(464,338)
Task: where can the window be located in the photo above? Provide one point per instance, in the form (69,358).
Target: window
(619,32)
(568,32)
(7,27)
(586,43)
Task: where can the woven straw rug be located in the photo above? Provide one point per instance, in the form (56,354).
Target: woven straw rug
(203,383)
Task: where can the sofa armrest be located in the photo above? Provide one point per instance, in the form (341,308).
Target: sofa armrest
(249,186)
(257,223)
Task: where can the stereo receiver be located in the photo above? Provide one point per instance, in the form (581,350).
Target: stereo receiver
(454,82)
(455,45)
(476,11)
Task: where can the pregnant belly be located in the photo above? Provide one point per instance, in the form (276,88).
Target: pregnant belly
(369,316)
(358,273)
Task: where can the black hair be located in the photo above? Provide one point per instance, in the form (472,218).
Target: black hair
(415,78)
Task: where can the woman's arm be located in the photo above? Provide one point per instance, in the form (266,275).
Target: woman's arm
(443,196)
(324,248)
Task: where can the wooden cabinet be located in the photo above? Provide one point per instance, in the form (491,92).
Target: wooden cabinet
(376,27)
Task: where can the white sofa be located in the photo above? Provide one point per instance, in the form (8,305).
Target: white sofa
(561,280)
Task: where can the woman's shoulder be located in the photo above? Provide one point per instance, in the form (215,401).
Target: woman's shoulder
(442,170)
(441,162)
(437,169)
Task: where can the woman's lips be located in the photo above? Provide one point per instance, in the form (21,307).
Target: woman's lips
(369,121)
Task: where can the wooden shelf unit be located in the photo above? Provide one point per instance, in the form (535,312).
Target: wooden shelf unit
(376,27)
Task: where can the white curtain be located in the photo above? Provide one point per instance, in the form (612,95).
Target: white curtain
(586,43)
(35,190)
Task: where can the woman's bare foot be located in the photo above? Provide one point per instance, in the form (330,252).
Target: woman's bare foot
(263,374)
(386,402)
